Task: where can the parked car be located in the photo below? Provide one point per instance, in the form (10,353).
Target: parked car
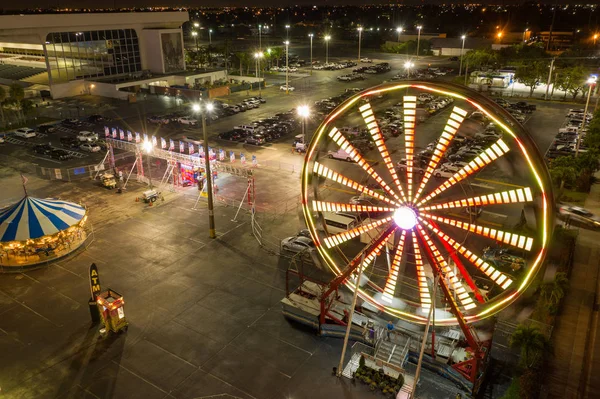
(255,139)
(339,154)
(443,172)
(192,139)
(25,133)
(87,136)
(46,128)
(297,244)
(71,122)
(61,155)
(43,149)
(287,88)
(187,120)
(578,214)
(95,118)
(367,60)
(70,142)
(161,120)
(90,147)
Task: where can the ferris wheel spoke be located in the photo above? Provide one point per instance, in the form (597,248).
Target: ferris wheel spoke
(327,173)
(345,145)
(344,236)
(325,206)
(452,125)
(409,109)
(369,118)
(489,155)
(392,280)
(519,195)
(515,240)
(447,276)
(373,249)
(495,275)
(421,276)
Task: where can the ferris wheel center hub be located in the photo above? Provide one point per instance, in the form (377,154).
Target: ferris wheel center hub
(405,217)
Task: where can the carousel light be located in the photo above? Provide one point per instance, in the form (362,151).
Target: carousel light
(390,285)
(410,112)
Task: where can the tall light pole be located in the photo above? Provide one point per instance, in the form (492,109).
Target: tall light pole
(418,39)
(408,65)
(499,37)
(310,35)
(210,36)
(209,189)
(462,50)
(147,146)
(260,37)
(327,39)
(525,33)
(287,70)
(303,112)
(287,33)
(196,25)
(258,56)
(595,38)
(195,36)
(360,29)
(399,31)
(591,83)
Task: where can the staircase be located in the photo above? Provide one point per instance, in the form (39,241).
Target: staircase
(392,353)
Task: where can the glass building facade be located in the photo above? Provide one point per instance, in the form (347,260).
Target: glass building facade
(92,54)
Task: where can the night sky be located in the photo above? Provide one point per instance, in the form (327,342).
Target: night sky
(22,4)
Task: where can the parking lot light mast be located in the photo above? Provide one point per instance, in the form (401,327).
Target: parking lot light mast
(462,51)
(360,29)
(408,65)
(591,83)
(287,69)
(303,112)
(418,39)
(287,33)
(596,36)
(260,37)
(147,146)
(209,37)
(258,56)
(327,39)
(399,30)
(524,34)
(208,108)
(310,35)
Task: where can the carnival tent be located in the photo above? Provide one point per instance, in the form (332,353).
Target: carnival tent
(32,218)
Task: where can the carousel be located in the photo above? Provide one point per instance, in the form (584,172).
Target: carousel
(35,231)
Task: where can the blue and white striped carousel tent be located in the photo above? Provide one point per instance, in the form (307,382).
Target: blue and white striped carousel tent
(32,218)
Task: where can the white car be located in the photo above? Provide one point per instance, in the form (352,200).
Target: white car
(454,166)
(2,140)
(339,154)
(186,120)
(367,60)
(90,147)
(443,172)
(297,244)
(578,214)
(25,133)
(288,88)
(87,136)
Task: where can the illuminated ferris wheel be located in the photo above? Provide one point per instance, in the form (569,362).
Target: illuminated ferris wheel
(462,197)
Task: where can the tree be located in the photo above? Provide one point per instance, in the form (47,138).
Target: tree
(532,344)
(555,290)
(16,95)
(531,74)
(276,54)
(481,59)
(563,171)
(571,80)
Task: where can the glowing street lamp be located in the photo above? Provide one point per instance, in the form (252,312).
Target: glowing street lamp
(327,38)
(499,35)
(399,30)
(260,37)
(408,65)
(462,50)
(596,38)
(147,146)
(287,69)
(525,33)
(195,36)
(591,83)
(210,36)
(310,35)
(303,112)
(196,25)
(287,32)
(419,27)
(360,29)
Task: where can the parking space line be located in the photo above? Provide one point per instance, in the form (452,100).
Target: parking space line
(499,182)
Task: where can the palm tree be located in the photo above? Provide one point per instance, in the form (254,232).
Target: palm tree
(531,343)
(559,287)
(563,174)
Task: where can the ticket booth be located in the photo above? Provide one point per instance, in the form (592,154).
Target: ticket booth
(112,312)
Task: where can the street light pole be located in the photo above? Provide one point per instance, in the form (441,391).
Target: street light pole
(418,40)
(524,33)
(359,40)
(408,65)
(258,56)
(303,112)
(287,33)
(591,82)
(399,30)
(549,78)
(209,36)
(209,190)
(147,145)
(327,38)
(287,69)
(311,58)
(462,50)
(260,37)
